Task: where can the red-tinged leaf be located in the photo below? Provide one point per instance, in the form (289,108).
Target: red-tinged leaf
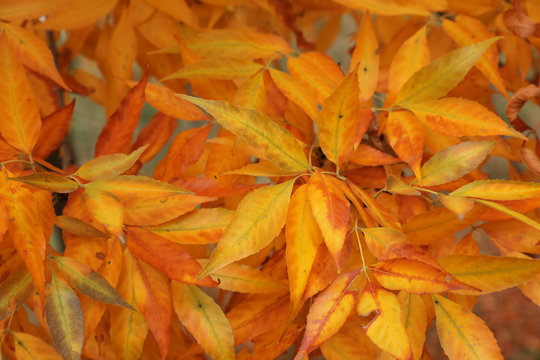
(386,329)
(412,55)
(317,71)
(342,122)
(395,185)
(118,131)
(455,161)
(201,226)
(15,10)
(156,134)
(462,334)
(415,277)
(238,43)
(517,21)
(461,117)
(210,187)
(153,299)
(107,166)
(280,147)
(28,347)
(386,7)
(270,345)
(54,129)
(458,205)
(531,160)
(329,312)
(105,208)
(499,190)
(439,77)
(513,234)
(322,273)
(258,220)
(382,215)
(414,319)
(467,31)
(297,92)
(77,14)
(19,111)
(128,326)
(186,148)
(519,99)
(65,319)
(217,68)
(165,256)
(88,282)
(78,227)
(204,319)
(366,155)
(130,186)
(32,52)
(490,273)
(406,137)
(48,181)
(365,56)
(303,237)
(386,243)
(17,286)
(154,211)
(331,211)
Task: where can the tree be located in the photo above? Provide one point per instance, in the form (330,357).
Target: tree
(324,207)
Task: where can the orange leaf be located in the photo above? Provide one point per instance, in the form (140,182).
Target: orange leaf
(19,111)
(78,227)
(16,10)
(105,208)
(328,312)
(29,347)
(519,99)
(32,52)
(76,14)
(458,205)
(48,181)
(54,129)
(217,68)
(517,21)
(331,211)
(252,94)
(17,286)
(395,185)
(365,155)
(130,186)
(499,190)
(204,319)
(406,136)
(387,7)
(462,334)
(365,56)
(414,319)
(107,166)
(322,273)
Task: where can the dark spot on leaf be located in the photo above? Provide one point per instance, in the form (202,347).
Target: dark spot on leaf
(100,255)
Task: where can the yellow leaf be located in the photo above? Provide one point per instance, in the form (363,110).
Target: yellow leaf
(303,237)
(131,186)
(107,166)
(78,227)
(414,318)
(461,117)
(329,312)
(490,273)
(365,56)
(65,319)
(296,92)
(406,137)
(387,7)
(435,80)
(386,330)
(204,319)
(29,347)
(499,190)
(216,68)
(281,148)
(455,161)
(19,111)
(462,334)
(48,181)
(17,286)
(395,185)
(258,220)
(510,212)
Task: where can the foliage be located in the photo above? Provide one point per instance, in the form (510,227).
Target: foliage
(334,208)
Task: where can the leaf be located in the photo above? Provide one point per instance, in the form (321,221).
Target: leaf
(499,190)
(386,329)
(130,186)
(435,80)
(414,319)
(455,161)
(65,319)
(48,181)
(217,68)
(88,282)
(19,111)
(179,11)
(490,273)
(32,52)
(105,208)
(331,211)
(415,277)
(204,319)
(54,129)
(458,205)
(258,220)
(366,57)
(395,185)
(519,99)
(329,312)
(406,137)
(166,256)
(342,122)
(303,237)
(77,14)
(461,117)
(78,227)
(118,131)
(530,160)
(107,166)
(19,10)
(462,334)
(507,211)
(366,155)
(18,285)
(280,147)
(517,21)
(29,347)
(386,7)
